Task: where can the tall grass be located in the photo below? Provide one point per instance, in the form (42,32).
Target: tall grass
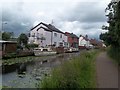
(78,72)
(114,53)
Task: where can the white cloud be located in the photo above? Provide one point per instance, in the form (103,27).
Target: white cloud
(77,16)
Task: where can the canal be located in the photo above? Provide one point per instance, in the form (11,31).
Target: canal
(29,74)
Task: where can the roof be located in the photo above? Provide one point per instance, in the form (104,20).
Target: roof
(53,28)
(85,37)
(2,41)
(95,42)
(38,25)
(49,27)
(71,35)
(44,29)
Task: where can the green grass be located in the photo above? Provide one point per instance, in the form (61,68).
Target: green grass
(78,72)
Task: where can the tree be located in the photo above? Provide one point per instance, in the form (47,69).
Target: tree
(113,35)
(23,39)
(7,35)
(105,37)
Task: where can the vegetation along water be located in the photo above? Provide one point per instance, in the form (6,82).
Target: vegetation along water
(78,72)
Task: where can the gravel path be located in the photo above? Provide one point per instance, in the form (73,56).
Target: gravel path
(107,72)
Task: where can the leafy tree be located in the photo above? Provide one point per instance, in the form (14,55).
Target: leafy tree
(23,39)
(113,35)
(7,35)
(105,37)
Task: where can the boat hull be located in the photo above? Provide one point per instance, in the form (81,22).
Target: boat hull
(40,53)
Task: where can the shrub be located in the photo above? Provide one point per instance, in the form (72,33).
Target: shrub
(114,52)
(29,46)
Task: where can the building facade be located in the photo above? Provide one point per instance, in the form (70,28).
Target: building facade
(72,40)
(47,35)
(84,42)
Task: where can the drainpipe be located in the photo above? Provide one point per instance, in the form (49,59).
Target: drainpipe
(51,38)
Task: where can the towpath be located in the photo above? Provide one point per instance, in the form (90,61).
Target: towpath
(107,72)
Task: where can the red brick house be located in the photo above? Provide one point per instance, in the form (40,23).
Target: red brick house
(73,40)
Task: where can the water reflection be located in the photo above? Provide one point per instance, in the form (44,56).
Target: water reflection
(21,68)
(30,73)
(8,68)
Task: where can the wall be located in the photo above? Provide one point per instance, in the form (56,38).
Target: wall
(57,38)
(9,47)
(50,38)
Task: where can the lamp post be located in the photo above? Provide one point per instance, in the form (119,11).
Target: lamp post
(3,23)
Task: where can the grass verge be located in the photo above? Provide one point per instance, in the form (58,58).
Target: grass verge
(23,59)
(78,72)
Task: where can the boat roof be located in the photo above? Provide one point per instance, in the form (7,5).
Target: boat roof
(3,41)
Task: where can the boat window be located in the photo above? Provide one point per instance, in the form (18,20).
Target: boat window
(38,49)
(45,49)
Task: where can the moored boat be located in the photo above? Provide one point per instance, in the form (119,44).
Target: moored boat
(44,51)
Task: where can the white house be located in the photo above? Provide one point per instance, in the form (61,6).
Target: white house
(47,35)
(84,41)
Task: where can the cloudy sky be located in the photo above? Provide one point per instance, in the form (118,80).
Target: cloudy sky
(75,16)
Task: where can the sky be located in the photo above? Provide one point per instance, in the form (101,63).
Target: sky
(80,17)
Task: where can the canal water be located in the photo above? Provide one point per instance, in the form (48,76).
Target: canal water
(28,75)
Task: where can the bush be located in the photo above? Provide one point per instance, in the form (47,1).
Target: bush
(29,46)
(9,55)
(114,53)
(76,73)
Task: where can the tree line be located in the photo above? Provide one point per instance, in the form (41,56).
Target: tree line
(112,37)
(22,38)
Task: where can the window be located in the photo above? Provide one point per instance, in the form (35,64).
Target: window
(60,44)
(65,43)
(55,34)
(61,36)
(72,38)
(33,35)
(55,43)
(45,49)
(38,34)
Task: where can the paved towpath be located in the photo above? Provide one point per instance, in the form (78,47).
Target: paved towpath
(107,72)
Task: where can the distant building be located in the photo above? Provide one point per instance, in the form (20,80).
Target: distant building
(72,40)
(84,41)
(47,35)
(97,44)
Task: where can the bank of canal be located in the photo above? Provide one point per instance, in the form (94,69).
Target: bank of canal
(27,74)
